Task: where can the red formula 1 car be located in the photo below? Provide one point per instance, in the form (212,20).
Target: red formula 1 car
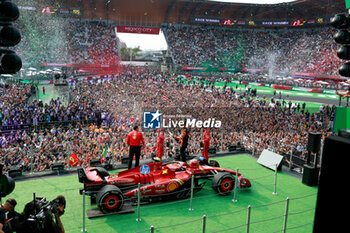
(159,181)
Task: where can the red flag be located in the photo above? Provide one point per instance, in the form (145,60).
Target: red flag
(73,160)
(164,97)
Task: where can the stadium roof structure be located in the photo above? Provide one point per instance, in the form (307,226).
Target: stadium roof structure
(155,12)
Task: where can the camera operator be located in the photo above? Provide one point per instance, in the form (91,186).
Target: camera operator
(61,205)
(8,206)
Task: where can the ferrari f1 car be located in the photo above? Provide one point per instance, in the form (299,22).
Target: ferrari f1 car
(159,181)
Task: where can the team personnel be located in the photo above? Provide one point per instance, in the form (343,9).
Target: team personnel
(160,143)
(183,143)
(206,144)
(135,140)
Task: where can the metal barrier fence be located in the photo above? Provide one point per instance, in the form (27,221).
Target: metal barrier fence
(202,219)
(294,155)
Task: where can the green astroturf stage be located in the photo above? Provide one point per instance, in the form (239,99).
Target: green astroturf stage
(264,205)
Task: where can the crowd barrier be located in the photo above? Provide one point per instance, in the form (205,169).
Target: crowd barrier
(202,219)
(293,158)
(45,124)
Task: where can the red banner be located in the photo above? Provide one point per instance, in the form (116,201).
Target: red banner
(139,30)
(281,87)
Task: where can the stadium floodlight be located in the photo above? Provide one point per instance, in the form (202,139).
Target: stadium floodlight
(9,36)
(344,52)
(340,21)
(342,37)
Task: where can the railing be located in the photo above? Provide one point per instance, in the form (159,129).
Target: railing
(45,124)
(242,219)
(221,143)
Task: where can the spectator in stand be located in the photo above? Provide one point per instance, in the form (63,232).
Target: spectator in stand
(120,99)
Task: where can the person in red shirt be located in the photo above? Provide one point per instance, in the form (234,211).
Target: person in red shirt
(135,140)
(206,144)
(160,143)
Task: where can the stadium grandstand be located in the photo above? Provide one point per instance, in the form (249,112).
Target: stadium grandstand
(264,77)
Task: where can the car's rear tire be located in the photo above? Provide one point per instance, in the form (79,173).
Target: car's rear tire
(110,199)
(223,183)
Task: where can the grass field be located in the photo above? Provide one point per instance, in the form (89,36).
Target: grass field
(267,210)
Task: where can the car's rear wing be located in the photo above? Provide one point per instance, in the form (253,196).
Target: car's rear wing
(82,176)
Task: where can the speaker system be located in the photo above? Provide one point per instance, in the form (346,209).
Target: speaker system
(125,159)
(15,171)
(332,195)
(57,166)
(95,163)
(270,159)
(310,175)
(344,133)
(212,150)
(314,142)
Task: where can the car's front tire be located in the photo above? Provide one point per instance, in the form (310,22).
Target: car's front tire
(223,183)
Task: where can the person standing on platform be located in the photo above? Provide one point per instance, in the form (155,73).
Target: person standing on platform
(160,143)
(43,90)
(135,140)
(206,144)
(183,143)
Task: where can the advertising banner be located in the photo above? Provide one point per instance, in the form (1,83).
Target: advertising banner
(139,30)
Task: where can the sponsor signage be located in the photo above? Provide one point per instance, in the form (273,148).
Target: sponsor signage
(56,64)
(155,120)
(206,20)
(139,30)
(193,68)
(273,23)
(51,10)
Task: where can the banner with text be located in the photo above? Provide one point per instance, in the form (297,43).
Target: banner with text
(139,30)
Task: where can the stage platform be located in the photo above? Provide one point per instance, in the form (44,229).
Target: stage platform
(73,170)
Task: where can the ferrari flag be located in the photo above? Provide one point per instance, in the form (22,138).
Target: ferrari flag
(73,160)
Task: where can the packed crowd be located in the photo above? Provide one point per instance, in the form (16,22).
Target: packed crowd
(266,79)
(12,98)
(93,43)
(69,40)
(17,112)
(47,38)
(257,123)
(102,113)
(311,50)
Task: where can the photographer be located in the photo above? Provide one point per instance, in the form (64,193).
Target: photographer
(61,205)
(8,206)
(42,216)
